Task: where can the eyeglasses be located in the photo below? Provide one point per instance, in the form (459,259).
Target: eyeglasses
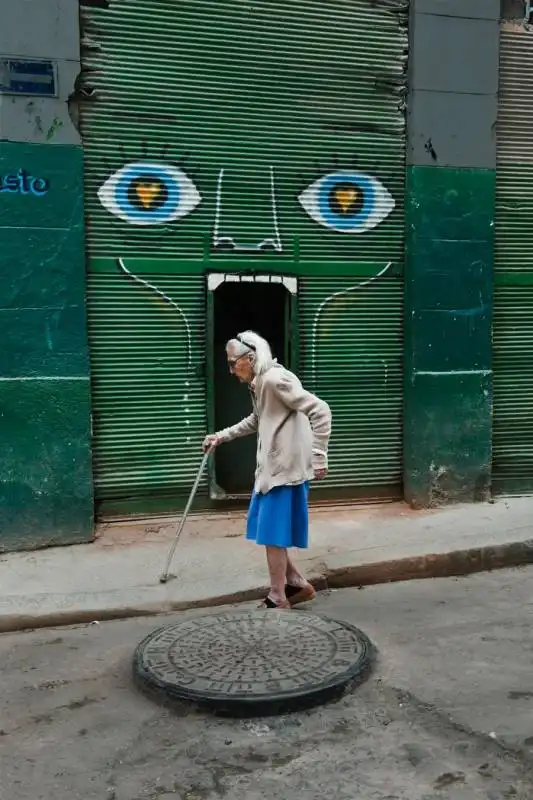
(232,362)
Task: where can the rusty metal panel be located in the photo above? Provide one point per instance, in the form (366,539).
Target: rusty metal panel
(515,113)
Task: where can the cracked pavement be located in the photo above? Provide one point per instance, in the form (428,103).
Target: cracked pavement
(446,714)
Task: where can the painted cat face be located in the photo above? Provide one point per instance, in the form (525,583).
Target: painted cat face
(228,136)
(245,139)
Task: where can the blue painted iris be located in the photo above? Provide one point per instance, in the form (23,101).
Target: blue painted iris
(347,201)
(149,194)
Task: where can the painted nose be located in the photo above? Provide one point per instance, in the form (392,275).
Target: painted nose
(246,221)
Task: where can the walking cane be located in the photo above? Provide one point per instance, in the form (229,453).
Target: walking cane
(165,576)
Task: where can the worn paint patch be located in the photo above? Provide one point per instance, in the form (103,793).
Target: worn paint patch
(45,459)
(54,127)
(448,403)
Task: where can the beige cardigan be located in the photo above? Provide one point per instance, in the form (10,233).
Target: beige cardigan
(293,428)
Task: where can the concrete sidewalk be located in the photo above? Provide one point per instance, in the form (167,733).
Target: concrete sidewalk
(118,575)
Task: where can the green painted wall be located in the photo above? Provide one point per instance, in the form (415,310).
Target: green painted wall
(452,111)
(45,463)
(448,330)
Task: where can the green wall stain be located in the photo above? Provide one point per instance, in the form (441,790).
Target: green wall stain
(447,438)
(45,463)
(45,459)
(54,127)
(448,387)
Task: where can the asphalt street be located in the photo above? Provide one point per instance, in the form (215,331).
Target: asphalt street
(446,715)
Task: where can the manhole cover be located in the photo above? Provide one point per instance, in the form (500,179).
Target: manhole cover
(253,662)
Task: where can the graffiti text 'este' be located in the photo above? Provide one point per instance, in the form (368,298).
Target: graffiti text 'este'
(22,182)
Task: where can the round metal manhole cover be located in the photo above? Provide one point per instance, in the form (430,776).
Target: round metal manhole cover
(253,662)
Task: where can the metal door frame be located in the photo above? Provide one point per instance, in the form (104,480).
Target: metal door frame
(292,347)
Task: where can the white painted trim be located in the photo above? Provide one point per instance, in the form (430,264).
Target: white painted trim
(291,284)
(216,279)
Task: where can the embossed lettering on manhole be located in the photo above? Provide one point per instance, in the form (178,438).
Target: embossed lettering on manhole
(252,655)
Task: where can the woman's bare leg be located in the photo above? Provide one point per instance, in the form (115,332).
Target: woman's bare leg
(293,575)
(300,589)
(277,568)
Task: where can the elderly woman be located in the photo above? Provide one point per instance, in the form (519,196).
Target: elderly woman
(293,428)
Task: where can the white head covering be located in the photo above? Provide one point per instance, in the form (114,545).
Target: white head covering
(251,342)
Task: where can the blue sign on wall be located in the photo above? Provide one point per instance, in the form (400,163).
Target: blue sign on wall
(27,77)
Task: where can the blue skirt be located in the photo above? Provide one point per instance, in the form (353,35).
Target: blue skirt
(279,518)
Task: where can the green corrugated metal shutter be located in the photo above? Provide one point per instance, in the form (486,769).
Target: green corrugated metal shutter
(149,409)
(274,93)
(513,306)
(351,350)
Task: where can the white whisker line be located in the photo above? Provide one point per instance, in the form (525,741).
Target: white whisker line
(275,210)
(168,300)
(328,300)
(217,206)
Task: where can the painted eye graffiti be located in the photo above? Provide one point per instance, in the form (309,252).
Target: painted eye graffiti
(347,201)
(149,194)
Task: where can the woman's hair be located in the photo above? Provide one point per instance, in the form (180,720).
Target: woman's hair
(251,342)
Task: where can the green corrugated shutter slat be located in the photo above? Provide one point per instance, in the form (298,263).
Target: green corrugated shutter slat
(148,404)
(513,301)
(351,354)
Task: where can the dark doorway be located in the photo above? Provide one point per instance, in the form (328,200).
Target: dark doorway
(239,306)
